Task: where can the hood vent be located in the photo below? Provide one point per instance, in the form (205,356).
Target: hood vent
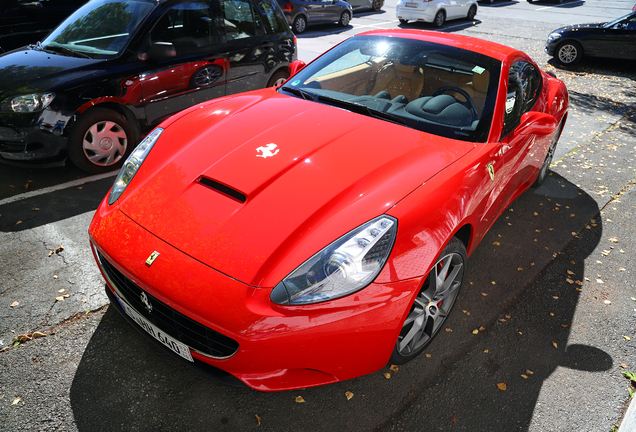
(225,190)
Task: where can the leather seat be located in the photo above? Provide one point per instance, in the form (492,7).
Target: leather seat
(399,79)
(477,89)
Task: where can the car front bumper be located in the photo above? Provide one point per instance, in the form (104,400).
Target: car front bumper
(28,138)
(279,347)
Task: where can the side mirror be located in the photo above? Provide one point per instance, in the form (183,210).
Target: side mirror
(159,51)
(296,66)
(536,123)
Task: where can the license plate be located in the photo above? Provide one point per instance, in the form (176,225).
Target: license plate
(170,342)
(413,5)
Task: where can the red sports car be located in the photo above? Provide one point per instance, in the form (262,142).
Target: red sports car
(307,234)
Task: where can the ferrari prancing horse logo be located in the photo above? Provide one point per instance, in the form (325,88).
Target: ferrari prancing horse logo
(491,171)
(153,256)
(267,151)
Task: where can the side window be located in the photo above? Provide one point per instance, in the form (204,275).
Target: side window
(240,19)
(187,26)
(524,86)
(274,21)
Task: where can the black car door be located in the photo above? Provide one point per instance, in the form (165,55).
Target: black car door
(194,72)
(621,42)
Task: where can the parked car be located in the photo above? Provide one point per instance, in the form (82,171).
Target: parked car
(615,39)
(23,22)
(301,13)
(435,11)
(115,69)
(375,5)
(292,237)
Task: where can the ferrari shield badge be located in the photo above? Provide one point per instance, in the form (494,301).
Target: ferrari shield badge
(491,171)
(153,256)
(268,150)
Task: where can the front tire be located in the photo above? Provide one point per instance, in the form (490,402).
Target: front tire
(345,18)
(300,24)
(568,53)
(440,17)
(377,5)
(432,304)
(100,141)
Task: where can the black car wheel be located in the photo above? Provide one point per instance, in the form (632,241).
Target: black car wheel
(278,78)
(345,18)
(377,5)
(472,12)
(100,141)
(403,21)
(543,174)
(432,304)
(568,53)
(440,17)
(300,24)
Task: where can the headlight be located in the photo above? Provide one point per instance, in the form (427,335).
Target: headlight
(28,103)
(554,36)
(132,164)
(345,266)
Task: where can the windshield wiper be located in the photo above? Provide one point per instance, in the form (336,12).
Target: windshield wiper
(303,94)
(361,109)
(54,48)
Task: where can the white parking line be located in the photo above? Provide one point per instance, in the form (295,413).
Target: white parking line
(50,189)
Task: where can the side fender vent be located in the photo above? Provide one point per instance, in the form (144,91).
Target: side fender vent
(226,190)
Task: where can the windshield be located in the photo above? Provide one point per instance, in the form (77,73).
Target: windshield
(100,28)
(623,18)
(434,88)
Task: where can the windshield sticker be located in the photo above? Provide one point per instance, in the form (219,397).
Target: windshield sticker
(295,83)
(478,69)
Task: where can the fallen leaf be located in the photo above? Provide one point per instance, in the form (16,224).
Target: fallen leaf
(564,325)
(62,290)
(607,302)
(454,420)
(482,329)
(570,281)
(570,272)
(486,351)
(51,253)
(627,337)
(524,376)
(36,335)
(54,276)
(555,344)
(476,331)
(623,365)
(529,372)
(394,368)
(59,298)
(15,401)
(496,243)
(299,399)
(349,395)
(502,386)
(448,330)
(484,294)
(14,304)
(555,297)
(427,355)
(66,295)
(59,249)
(494,283)
(387,375)
(551,313)
(258,419)
(613,240)
(519,269)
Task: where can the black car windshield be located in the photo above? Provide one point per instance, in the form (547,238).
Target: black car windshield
(100,28)
(434,88)
(621,19)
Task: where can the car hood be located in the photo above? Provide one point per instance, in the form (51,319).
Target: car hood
(579,27)
(309,173)
(29,70)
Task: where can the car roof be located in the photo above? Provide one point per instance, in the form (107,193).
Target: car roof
(481,46)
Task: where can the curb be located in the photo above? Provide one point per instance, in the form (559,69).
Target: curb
(629,421)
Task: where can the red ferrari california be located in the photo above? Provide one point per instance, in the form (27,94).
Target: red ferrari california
(308,234)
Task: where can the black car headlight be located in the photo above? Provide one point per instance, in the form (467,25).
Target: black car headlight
(345,266)
(132,164)
(28,103)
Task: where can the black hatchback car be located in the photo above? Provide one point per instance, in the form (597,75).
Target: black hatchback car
(615,39)
(116,68)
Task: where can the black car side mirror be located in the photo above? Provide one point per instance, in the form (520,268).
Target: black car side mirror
(159,51)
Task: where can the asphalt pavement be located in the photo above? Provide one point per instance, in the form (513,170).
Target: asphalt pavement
(539,339)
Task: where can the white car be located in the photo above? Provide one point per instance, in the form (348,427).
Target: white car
(435,11)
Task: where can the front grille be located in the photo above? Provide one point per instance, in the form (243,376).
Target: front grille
(198,337)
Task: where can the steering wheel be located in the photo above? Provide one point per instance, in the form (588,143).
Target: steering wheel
(469,101)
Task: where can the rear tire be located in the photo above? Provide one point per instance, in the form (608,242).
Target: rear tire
(545,168)
(345,19)
(472,12)
(300,24)
(403,21)
(440,17)
(278,78)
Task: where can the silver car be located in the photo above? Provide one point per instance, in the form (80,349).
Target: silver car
(435,11)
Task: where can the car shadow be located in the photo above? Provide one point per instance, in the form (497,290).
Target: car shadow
(498,4)
(566,4)
(315,30)
(124,382)
(449,26)
(600,66)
